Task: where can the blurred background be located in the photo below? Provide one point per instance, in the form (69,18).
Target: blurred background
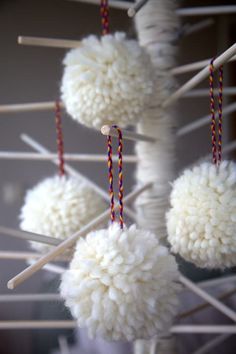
(33,74)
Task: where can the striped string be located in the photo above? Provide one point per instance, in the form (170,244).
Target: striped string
(216,141)
(104,11)
(120,176)
(60,144)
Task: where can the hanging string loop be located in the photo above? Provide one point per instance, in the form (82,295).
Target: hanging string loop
(216,137)
(104,11)
(60,142)
(120,176)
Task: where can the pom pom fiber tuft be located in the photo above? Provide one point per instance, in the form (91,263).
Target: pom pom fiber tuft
(58,207)
(107,80)
(201,222)
(121,284)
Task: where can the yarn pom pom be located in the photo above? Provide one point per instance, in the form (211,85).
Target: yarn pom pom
(107,81)
(58,207)
(202,220)
(121,284)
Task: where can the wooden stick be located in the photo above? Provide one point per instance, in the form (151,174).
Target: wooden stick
(115,4)
(63,345)
(199,123)
(190,29)
(188,11)
(29,236)
(28,107)
(26,256)
(228,91)
(19,255)
(204,295)
(206,10)
(18,155)
(205,305)
(40,148)
(28,272)
(53,268)
(211,344)
(133,10)
(30,297)
(37,324)
(203,329)
(48,42)
(183,69)
(128,135)
(217,281)
(204,73)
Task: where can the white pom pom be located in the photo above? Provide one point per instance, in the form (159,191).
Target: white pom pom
(58,207)
(107,80)
(121,284)
(202,220)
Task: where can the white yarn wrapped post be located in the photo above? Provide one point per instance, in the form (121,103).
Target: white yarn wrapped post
(156,25)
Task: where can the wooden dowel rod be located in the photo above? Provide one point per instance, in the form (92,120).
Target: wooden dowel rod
(18,155)
(210,299)
(37,324)
(48,42)
(26,256)
(136,7)
(182,12)
(183,69)
(199,26)
(30,297)
(228,91)
(218,281)
(53,268)
(18,255)
(29,236)
(128,135)
(63,345)
(70,241)
(207,10)
(211,344)
(116,4)
(28,107)
(200,76)
(73,172)
(205,305)
(203,329)
(201,122)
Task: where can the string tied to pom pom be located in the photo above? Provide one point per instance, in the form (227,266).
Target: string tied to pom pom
(120,176)
(104,11)
(60,143)
(216,143)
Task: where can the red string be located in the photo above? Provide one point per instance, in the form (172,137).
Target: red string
(60,144)
(120,176)
(216,143)
(104,11)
